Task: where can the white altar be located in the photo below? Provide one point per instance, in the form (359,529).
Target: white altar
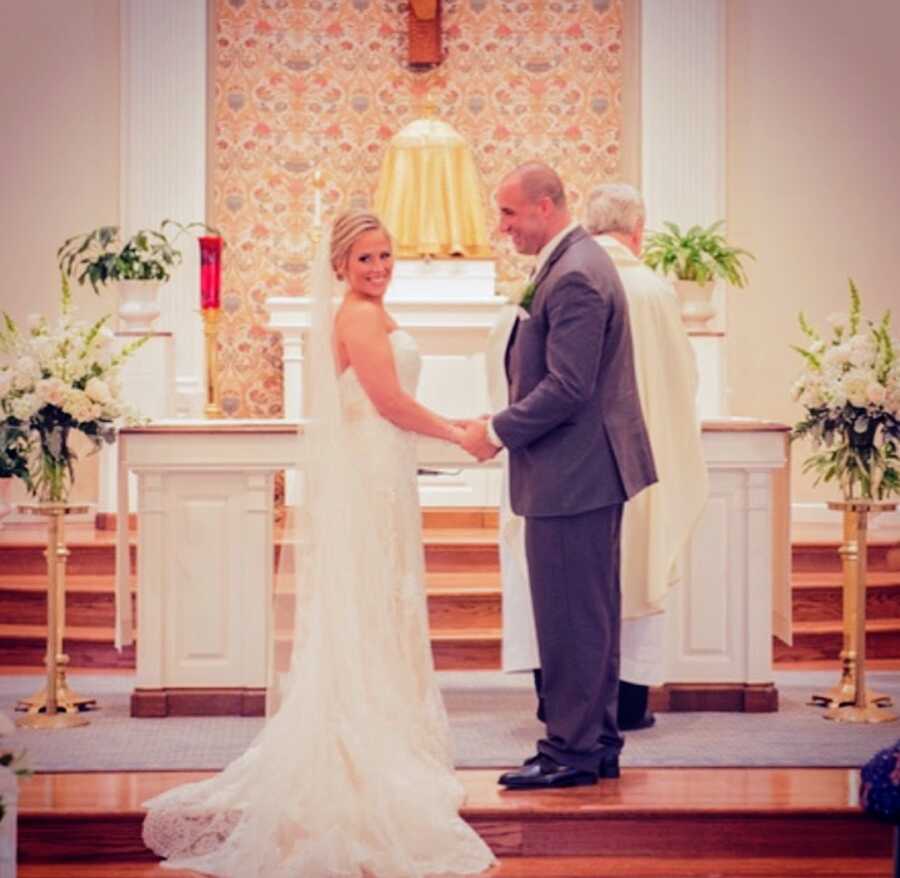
(205,505)
(205,569)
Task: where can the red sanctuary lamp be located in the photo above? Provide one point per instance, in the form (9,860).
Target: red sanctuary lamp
(210,302)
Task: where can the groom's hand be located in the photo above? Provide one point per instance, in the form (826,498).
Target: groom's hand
(476,442)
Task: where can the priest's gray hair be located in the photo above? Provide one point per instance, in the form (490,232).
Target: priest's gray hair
(613,207)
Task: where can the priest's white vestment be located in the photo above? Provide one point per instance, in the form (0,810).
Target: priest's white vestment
(658,522)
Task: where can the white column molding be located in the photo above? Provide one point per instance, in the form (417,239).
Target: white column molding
(683,131)
(163,157)
(683,110)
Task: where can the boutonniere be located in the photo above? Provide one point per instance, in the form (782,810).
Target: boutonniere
(527,297)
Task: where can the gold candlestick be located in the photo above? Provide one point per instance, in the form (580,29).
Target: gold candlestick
(56,706)
(849,701)
(212,409)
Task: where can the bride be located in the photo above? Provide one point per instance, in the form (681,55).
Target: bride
(353,775)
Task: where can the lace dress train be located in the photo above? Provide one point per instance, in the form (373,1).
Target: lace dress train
(353,776)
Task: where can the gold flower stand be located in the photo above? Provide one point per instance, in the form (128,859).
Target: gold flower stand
(849,701)
(55,706)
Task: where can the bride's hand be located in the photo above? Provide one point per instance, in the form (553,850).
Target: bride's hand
(457,431)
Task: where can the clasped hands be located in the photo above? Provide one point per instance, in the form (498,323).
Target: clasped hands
(471,436)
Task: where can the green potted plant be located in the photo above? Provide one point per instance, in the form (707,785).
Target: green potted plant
(138,265)
(695,259)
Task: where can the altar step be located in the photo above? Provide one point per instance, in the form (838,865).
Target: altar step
(550,867)
(456,599)
(664,823)
(464,599)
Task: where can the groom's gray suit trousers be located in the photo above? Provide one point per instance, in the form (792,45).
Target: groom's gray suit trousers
(573,563)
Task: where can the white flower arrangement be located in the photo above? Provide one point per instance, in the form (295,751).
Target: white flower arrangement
(16,763)
(57,379)
(850,388)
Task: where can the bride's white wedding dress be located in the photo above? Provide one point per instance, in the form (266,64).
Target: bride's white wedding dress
(353,775)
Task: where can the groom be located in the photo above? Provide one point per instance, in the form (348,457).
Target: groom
(578,449)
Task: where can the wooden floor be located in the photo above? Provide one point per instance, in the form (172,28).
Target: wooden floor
(650,822)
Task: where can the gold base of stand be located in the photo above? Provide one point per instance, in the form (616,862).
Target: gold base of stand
(66,701)
(841,696)
(53,721)
(850,713)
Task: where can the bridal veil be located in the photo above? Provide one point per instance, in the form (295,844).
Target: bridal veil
(352,774)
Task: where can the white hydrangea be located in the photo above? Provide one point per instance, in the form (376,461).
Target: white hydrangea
(25,372)
(814,395)
(856,384)
(5,382)
(78,404)
(862,350)
(24,406)
(98,391)
(51,391)
(837,355)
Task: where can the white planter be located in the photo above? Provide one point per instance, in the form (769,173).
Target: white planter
(9,791)
(5,506)
(696,303)
(138,305)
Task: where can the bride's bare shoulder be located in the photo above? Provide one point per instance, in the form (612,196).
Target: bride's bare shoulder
(359,317)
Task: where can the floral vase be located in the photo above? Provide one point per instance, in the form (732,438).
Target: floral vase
(51,467)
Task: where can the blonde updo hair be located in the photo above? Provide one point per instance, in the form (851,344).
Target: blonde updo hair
(346,230)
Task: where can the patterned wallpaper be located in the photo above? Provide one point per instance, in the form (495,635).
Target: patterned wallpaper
(306,84)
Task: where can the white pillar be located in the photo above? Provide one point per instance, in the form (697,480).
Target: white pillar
(163,148)
(683,131)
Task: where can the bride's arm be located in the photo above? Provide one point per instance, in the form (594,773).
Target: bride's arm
(364,338)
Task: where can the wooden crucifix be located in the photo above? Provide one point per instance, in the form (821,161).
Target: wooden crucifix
(424,33)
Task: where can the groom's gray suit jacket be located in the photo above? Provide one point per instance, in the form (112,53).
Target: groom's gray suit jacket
(574,428)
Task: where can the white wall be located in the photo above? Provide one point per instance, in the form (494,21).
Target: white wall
(59,149)
(813,183)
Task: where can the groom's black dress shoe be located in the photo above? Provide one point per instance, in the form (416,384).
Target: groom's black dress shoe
(542,773)
(648,720)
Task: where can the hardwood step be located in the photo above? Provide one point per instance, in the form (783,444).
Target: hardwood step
(822,556)
(825,639)
(455,600)
(90,599)
(552,867)
(456,644)
(25,646)
(93,552)
(648,816)
(92,648)
(819,596)
(470,650)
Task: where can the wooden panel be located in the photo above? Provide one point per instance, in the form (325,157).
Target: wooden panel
(221,701)
(739,697)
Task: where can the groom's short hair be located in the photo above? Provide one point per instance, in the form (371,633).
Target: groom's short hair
(540,181)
